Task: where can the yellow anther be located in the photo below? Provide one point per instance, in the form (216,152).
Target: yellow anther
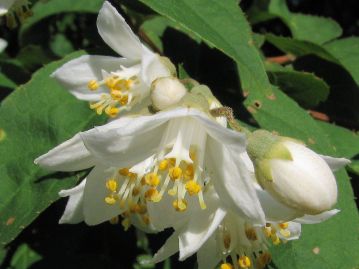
(172,161)
(283,225)
(112,111)
(132,176)
(111,82)
(152,179)
(135,208)
(192,187)
(136,191)
(175,173)
(189,172)
(124,171)
(285,233)
(180,205)
(275,239)
(110,200)
(267,231)
(251,234)
(93,85)
(151,194)
(244,262)
(123,100)
(111,185)
(114,220)
(163,165)
(128,83)
(264,259)
(226,266)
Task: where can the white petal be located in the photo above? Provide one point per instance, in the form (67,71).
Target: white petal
(117,34)
(153,68)
(200,227)
(274,210)
(76,74)
(130,140)
(3,44)
(233,181)
(208,255)
(168,249)
(68,156)
(313,219)
(335,163)
(95,208)
(74,208)
(5,5)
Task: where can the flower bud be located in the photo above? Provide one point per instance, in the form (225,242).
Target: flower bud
(166,92)
(292,173)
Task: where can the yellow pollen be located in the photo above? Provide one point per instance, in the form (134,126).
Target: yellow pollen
(111,82)
(110,200)
(244,262)
(151,194)
(93,85)
(226,266)
(123,100)
(179,205)
(251,234)
(189,172)
(192,187)
(111,185)
(283,225)
(175,173)
(112,111)
(163,165)
(124,171)
(114,220)
(152,179)
(275,239)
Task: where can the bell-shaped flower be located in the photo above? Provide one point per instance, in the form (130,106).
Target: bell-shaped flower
(114,84)
(294,174)
(220,236)
(181,151)
(15,8)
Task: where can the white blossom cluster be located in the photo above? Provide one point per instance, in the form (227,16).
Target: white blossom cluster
(167,159)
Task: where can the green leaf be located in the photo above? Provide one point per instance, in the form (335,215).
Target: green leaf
(45,9)
(24,257)
(42,114)
(346,52)
(305,88)
(155,28)
(305,27)
(220,24)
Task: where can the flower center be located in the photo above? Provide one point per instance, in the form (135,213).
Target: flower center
(121,91)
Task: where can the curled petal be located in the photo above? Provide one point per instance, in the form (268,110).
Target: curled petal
(68,156)
(313,219)
(335,163)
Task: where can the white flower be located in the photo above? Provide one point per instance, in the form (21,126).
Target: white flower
(12,7)
(114,84)
(166,92)
(294,174)
(189,151)
(220,236)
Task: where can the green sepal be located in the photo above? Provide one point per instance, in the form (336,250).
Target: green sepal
(279,151)
(263,171)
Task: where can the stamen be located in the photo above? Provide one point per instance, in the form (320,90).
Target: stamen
(93,85)
(193,187)
(244,262)
(263,260)
(180,205)
(283,225)
(163,165)
(275,239)
(226,266)
(151,194)
(152,179)
(114,220)
(175,173)
(110,200)
(251,234)
(111,185)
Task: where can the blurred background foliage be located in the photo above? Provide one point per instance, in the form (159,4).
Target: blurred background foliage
(296,43)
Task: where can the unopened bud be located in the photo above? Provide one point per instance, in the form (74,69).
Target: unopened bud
(166,92)
(292,173)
